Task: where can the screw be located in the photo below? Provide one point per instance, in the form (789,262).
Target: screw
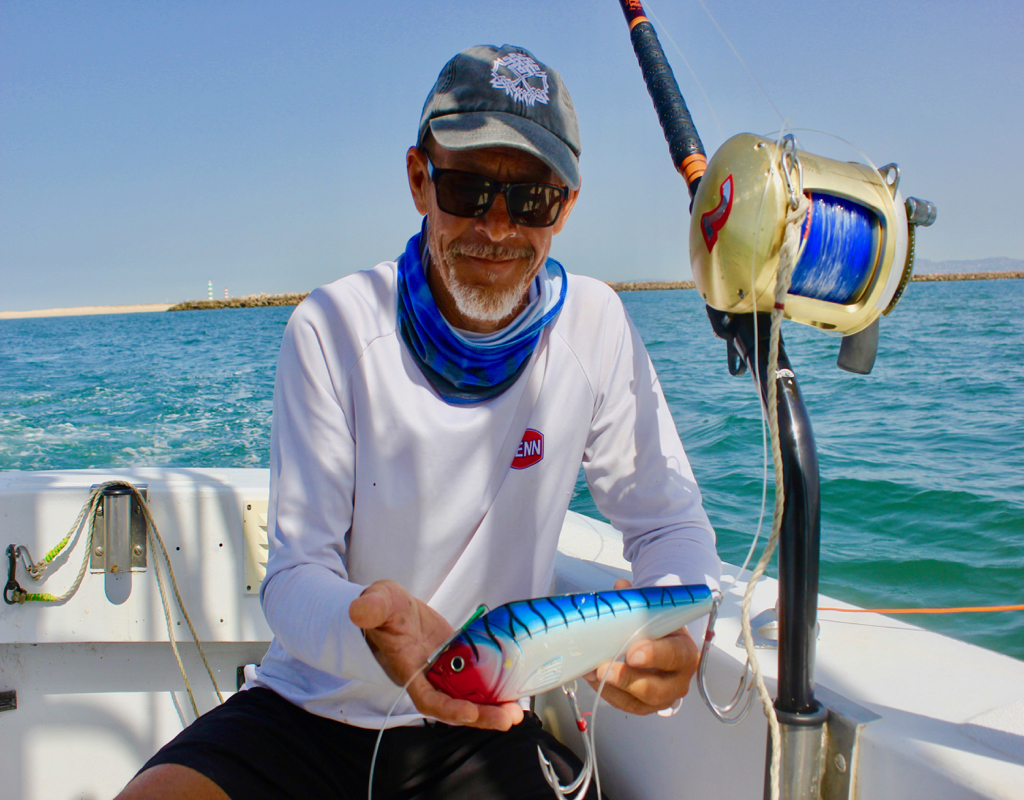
(137,549)
(248,507)
(99,511)
(840,762)
(99,550)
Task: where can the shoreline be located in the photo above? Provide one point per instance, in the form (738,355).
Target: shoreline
(84,311)
(294,298)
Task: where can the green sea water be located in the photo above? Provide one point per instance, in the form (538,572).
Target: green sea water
(922,462)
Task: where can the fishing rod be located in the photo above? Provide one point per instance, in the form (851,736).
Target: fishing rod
(776,232)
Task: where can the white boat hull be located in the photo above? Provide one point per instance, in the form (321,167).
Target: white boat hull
(98,689)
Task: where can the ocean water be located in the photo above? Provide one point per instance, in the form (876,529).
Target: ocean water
(922,462)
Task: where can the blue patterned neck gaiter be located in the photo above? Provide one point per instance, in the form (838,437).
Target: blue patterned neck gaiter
(467,371)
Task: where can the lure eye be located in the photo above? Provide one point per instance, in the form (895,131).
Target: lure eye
(458,664)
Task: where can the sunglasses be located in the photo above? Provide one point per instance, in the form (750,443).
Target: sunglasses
(466,194)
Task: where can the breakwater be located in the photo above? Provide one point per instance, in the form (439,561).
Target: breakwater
(967,276)
(294,298)
(248,301)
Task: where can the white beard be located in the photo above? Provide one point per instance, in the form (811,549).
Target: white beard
(484,303)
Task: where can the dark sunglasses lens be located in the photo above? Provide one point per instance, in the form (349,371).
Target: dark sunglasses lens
(535,205)
(464,194)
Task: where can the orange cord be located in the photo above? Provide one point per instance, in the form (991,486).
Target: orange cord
(963,610)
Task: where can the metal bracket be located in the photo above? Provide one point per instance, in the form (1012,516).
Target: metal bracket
(120,537)
(765,629)
(846,721)
(891,177)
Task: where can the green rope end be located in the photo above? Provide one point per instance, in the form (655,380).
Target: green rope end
(56,550)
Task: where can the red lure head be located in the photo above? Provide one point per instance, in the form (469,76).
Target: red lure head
(457,672)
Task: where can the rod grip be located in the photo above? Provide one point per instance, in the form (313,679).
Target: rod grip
(683,142)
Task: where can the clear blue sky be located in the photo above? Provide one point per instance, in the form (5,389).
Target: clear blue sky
(147,147)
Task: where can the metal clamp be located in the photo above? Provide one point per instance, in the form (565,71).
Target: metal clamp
(119,543)
(12,590)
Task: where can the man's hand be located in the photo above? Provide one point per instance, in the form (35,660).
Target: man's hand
(655,674)
(403,632)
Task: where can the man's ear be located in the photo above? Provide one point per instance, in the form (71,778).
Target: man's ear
(419,178)
(566,208)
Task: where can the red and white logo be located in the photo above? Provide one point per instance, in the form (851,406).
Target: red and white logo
(712,221)
(531,450)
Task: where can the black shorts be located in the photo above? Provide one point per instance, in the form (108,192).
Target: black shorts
(258,745)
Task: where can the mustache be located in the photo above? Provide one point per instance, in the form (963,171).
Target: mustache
(491,251)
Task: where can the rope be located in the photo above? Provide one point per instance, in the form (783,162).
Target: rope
(787,261)
(38,570)
(90,509)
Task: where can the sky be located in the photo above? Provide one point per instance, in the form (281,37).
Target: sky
(147,148)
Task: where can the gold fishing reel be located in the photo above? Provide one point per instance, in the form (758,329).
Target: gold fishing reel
(856,253)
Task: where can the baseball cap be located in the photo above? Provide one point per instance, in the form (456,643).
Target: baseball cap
(488,96)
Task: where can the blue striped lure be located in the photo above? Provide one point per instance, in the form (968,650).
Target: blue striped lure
(529,646)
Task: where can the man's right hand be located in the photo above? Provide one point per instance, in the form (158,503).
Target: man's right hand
(403,632)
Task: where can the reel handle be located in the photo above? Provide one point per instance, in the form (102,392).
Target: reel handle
(920,212)
(683,142)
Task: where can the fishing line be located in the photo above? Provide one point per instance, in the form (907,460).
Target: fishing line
(380,734)
(693,74)
(480,611)
(744,63)
(590,733)
(960,610)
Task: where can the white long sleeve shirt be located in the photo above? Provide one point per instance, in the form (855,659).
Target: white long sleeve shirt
(374,476)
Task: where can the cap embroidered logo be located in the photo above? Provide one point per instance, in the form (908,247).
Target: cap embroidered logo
(518,85)
(531,450)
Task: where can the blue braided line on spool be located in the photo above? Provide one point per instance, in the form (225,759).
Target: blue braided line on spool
(839,253)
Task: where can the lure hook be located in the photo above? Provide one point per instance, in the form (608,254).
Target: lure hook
(582,782)
(722,712)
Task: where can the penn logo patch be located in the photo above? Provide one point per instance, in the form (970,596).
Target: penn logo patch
(531,450)
(521,77)
(713,221)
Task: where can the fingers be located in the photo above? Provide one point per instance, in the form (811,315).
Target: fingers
(624,701)
(676,652)
(636,690)
(373,607)
(654,676)
(437,704)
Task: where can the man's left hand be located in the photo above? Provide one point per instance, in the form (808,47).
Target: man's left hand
(655,674)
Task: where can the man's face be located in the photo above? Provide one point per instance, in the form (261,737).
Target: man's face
(481,267)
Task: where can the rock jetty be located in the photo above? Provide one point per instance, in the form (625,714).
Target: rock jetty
(966,276)
(249,301)
(294,298)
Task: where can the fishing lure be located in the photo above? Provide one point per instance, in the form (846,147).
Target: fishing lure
(529,646)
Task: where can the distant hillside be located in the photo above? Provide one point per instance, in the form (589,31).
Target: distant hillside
(922,266)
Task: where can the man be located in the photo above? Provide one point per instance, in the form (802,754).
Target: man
(430,419)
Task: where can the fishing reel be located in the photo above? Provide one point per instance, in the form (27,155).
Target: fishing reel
(856,251)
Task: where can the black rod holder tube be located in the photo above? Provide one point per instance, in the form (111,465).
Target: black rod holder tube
(799,541)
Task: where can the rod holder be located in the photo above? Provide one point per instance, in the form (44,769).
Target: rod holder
(119,541)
